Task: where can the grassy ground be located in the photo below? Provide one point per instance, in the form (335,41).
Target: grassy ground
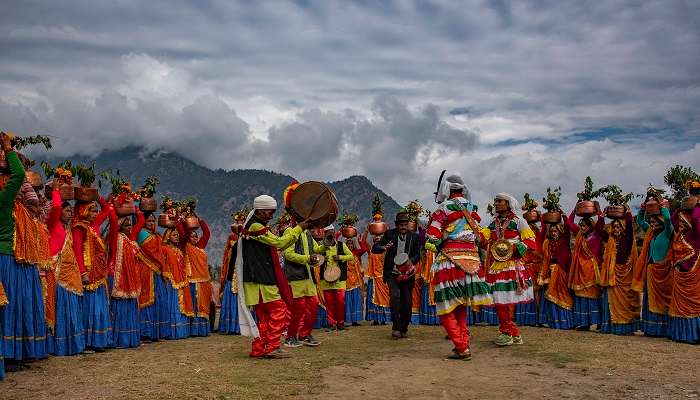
(365,362)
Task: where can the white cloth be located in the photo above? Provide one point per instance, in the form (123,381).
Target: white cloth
(330,227)
(452,182)
(512,202)
(245,318)
(264,202)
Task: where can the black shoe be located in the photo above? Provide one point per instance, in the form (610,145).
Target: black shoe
(341,327)
(404,335)
(356,324)
(395,335)
(310,341)
(375,323)
(278,354)
(583,328)
(12,366)
(466,356)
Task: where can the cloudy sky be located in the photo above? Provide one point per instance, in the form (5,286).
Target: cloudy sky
(515,96)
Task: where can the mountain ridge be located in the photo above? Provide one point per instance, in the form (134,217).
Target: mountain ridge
(221,192)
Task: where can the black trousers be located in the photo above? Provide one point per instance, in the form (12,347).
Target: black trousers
(401,303)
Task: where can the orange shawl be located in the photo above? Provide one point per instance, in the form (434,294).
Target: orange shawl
(355,275)
(658,278)
(152,252)
(224,267)
(533,262)
(417,293)
(63,272)
(555,277)
(174,270)
(375,271)
(685,295)
(3,296)
(31,240)
(624,302)
(94,256)
(584,273)
(127,269)
(198,271)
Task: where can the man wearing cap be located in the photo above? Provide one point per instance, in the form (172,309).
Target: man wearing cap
(298,260)
(337,255)
(402,249)
(507,239)
(262,279)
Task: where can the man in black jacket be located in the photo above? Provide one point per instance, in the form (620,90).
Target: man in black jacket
(404,244)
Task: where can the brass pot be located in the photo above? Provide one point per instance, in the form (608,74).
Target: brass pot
(585,208)
(148,204)
(67,191)
(652,207)
(83,193)
(615,212)
(377,228)
(34,179)
(125,209)
(348,232)
(551,217)
(531,216)
(191,223)
(165,221)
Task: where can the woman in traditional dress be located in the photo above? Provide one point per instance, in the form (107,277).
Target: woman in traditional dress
(584,271)
(198,275)
(91,255)
(124,280)
(527,313)
(177,287)
(355,283)
(653,271)
(154,308)
(228,294)
(621,305)
(556,302)
(68,333)
(378,308)
(22,320)
(684,309)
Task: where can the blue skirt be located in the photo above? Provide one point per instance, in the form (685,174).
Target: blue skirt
(126,323)
(376,313)
(606,324)
(156,318)
(22,322)
(96,318)
(228,317)
(485,315)
(353,306)
(554,316)
(69,335)
(686,330)
(199,326)
(321,318)
(653,324)
(586,311)
(428,313)
(179,323)
(526,314)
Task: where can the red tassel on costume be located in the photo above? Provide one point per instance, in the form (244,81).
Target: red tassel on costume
(281,279)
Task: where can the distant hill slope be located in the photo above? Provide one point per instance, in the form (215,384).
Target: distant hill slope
(220,192)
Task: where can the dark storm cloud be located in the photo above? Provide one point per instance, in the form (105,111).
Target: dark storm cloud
(396,90)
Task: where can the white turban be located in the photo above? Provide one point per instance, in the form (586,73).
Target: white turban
(264,202)
(329,228)
(452,182)
(512,202)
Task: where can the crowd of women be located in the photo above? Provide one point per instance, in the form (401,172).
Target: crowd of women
(85,277)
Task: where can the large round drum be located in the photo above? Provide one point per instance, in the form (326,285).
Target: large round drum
(316,202)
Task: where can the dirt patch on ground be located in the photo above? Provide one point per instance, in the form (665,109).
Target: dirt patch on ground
(364,362)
